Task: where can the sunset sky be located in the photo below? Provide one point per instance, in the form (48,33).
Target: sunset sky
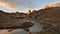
(24,5)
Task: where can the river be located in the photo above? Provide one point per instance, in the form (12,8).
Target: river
(36,28)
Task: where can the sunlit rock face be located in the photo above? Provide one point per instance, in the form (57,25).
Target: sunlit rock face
(36,28)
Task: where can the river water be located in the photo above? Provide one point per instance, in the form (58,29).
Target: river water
(36,28)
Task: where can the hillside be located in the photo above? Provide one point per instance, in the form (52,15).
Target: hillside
(50,16)
(3,16)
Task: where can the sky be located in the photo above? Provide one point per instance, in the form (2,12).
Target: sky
(25,5)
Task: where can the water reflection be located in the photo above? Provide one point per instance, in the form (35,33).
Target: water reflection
(36,28)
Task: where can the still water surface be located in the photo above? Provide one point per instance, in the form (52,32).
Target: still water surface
(36,28)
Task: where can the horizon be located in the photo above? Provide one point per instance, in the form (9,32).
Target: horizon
(18,5)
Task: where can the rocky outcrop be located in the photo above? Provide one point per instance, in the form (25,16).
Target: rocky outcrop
(4,16)
(49,15)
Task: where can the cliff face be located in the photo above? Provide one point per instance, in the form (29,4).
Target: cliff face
(3,16)
(50,15)
(47,13)
(8,16)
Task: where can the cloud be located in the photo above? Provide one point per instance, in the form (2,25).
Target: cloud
(8,4)
(12,4)
(55,4)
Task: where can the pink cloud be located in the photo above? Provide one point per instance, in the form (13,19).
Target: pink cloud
(12,4)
